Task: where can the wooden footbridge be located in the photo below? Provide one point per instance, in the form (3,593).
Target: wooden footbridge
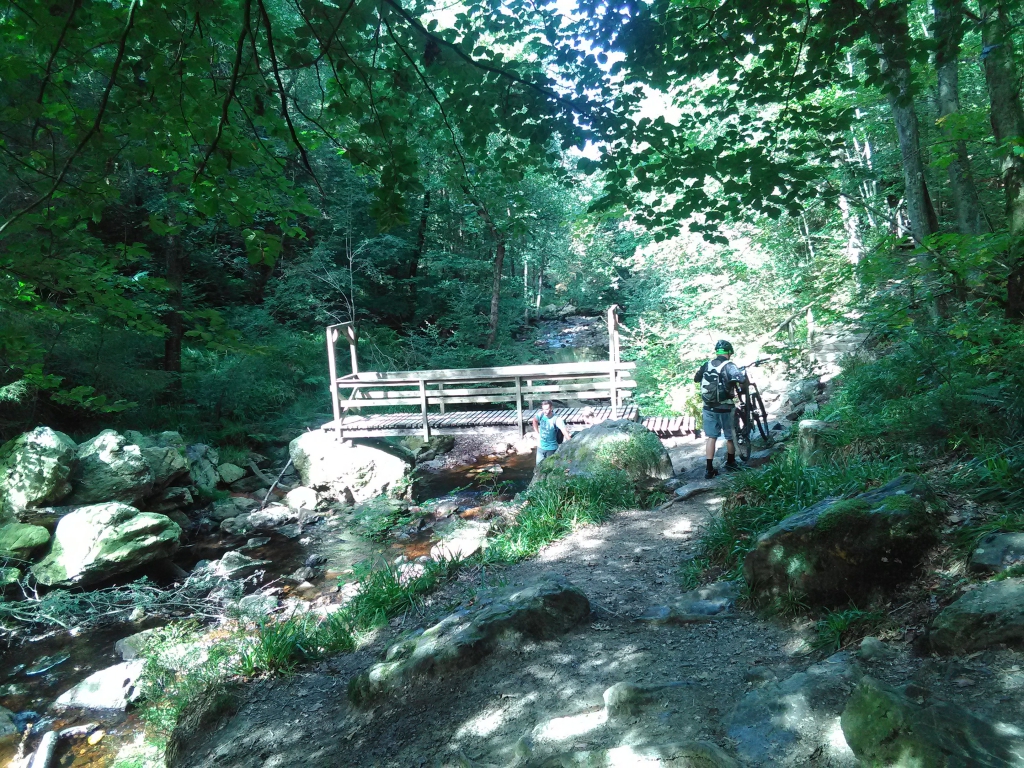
(453,401)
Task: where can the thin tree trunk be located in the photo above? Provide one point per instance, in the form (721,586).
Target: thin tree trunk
(854,242)
(421,236)
(174,274)
(949,15)
(920,211)
(499,259)
(1007,117)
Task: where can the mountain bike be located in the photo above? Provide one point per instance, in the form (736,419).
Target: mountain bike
(749,413)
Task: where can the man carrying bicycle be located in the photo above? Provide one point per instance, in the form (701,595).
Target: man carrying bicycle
(717,379)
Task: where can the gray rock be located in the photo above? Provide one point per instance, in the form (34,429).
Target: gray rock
(792,722)
(170,500)
(884,727)
(202,466)
(803,391)
(984,617)
(304,573)
(235,565)
(250,484)
(838,550)
(543,609)
(759,458)
(693,489)
(233,506)
(258,605)
(629,699)
(339,470)
(272,517)
(873,649)
(687,754)
(708,603)
(998,552)
(35,470)
(611,445)
(672,484)
(164,453)
(256,542)
(110,468)
(21,541)
(813,441)
(462,542)
(230,473)
(112,688)
(236,526)
(96,542)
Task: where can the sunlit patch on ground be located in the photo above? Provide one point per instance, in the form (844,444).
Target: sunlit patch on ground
(570,726)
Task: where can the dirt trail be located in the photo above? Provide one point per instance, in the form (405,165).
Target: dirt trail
(547,691)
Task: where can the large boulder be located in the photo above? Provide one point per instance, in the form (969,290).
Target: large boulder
(331,466)
(793,722)
(886,728)
(110,468)
(35,470)
(546,608)
(165,455)
(113,688)
(21,541)
(998,552)
(202,467)
(96,542)
(842,549)
(622,445)
(986,616)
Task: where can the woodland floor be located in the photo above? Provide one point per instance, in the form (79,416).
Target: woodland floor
(550,692)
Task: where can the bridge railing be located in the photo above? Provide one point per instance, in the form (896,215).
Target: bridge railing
(515,384)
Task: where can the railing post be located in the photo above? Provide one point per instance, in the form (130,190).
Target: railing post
(612,384)
(440,389)
(423,407)
(519,405)
(353,339)
(332,368)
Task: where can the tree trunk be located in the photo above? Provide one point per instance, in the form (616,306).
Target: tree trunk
(421,236)
(949,15)
(1008,128)
(920,211)
(499,259)
(175,273)
(854,242)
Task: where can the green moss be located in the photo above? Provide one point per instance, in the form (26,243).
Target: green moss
(845,510)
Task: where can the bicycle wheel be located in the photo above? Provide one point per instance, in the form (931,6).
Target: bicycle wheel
(760,415)
(741,432)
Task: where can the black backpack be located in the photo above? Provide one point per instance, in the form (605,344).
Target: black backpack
(714,385)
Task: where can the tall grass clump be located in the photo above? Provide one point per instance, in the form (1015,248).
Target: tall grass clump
(557,506)
(387,592)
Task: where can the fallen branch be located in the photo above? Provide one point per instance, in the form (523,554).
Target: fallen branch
(275,484)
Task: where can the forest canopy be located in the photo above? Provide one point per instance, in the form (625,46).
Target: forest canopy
(191,191)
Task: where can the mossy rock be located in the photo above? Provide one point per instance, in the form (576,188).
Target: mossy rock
(984,617)
(843,549)
(611,446)
(885,728)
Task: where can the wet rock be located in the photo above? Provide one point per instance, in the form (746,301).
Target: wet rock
(885,727)
(842,549)
(705,604)
(611,445)
(96,542)
(202,466)
(811,435)
(873,649)
(170,500)
(292,531)
(331,467)
(419,450)
(35,470)
(44,664)
(109,468)
(984,617)
(256,542)
(235,565)
(165,455)
(690,490)
(303,573)
(998,552)
(272,517)
(465,541)
(545,608)
(687,754)
(111,688)
(230,473)
(21,541)
(794,721)
(301,498)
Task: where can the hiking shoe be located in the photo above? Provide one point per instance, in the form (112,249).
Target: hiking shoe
(711,474)
(734,467)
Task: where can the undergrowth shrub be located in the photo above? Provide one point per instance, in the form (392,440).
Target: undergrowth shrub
(388,591)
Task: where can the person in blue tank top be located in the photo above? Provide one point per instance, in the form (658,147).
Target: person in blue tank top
(547,426)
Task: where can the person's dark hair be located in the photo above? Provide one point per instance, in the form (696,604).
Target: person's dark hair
(546,402)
